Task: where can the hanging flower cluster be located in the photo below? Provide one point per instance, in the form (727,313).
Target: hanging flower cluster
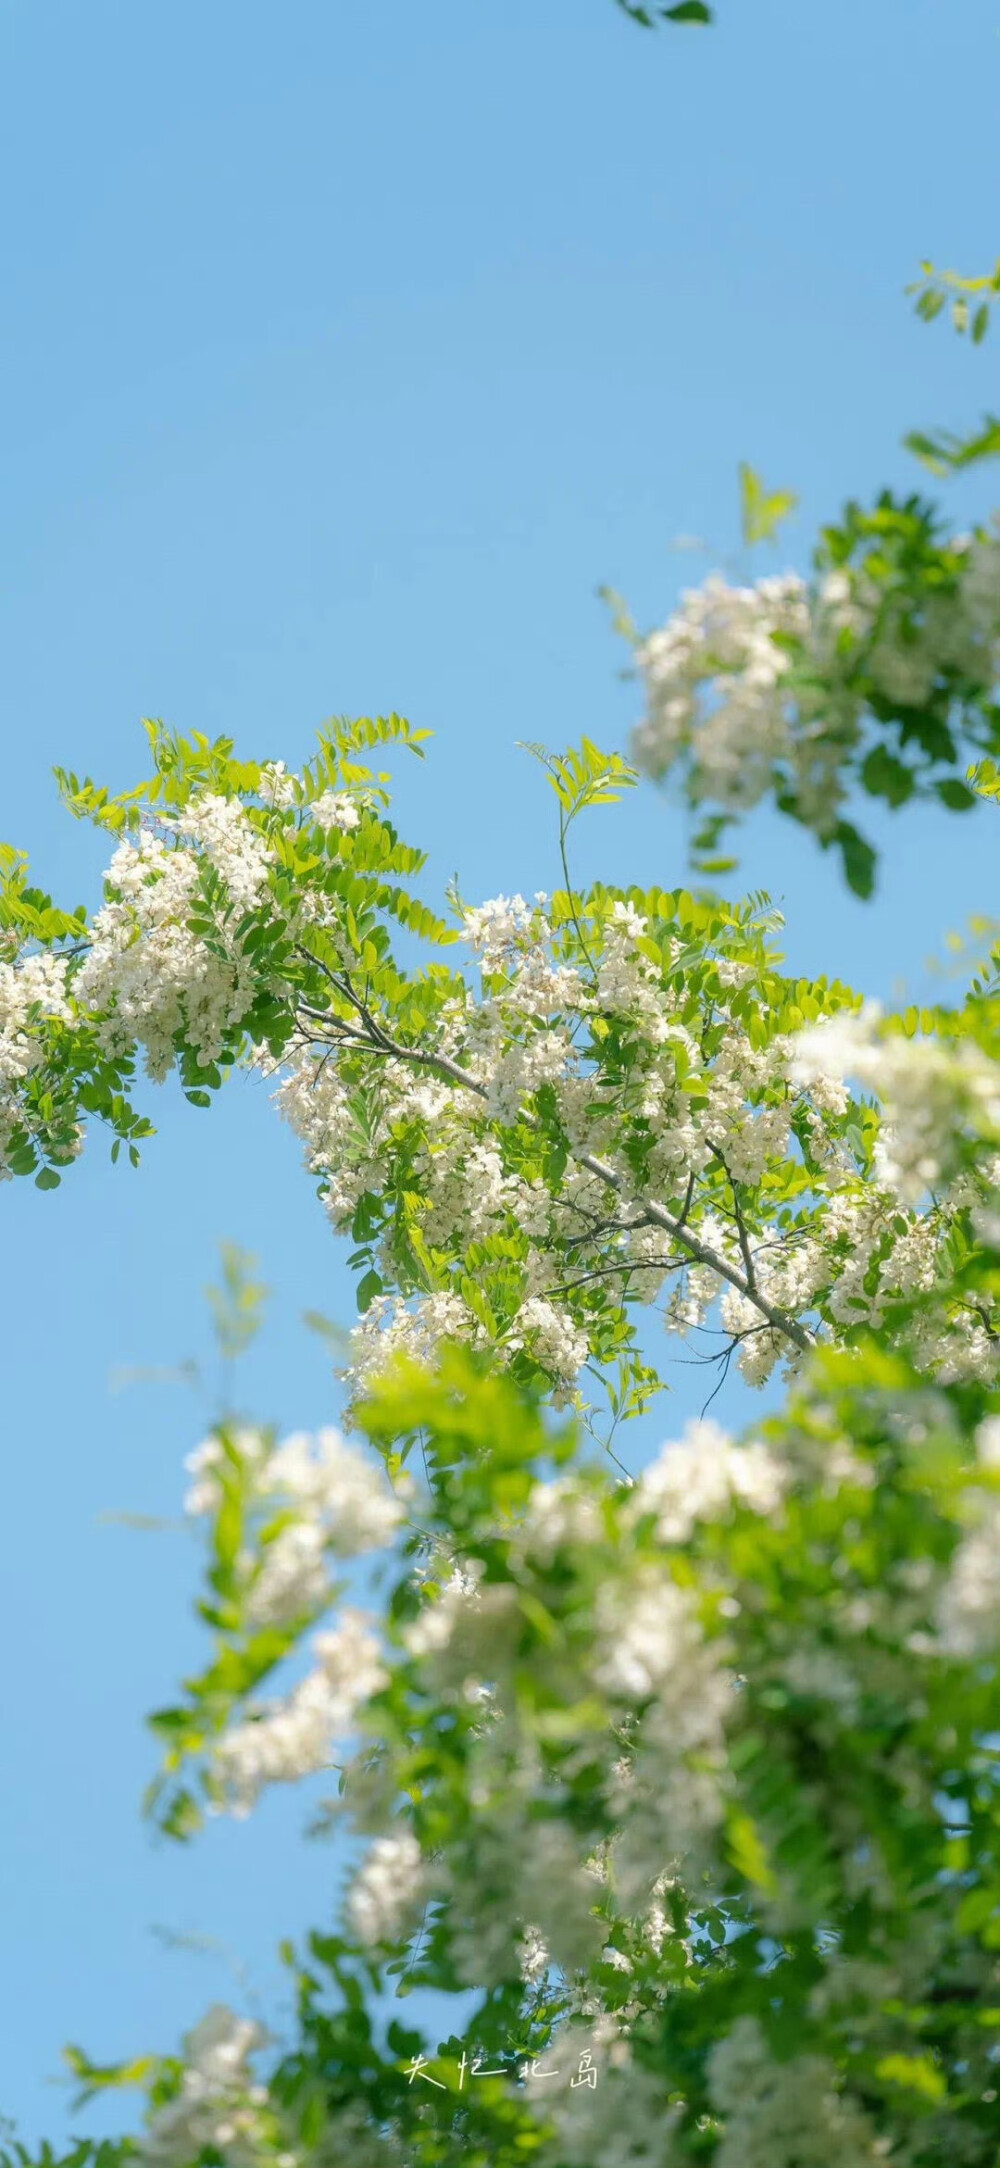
(693,1773)
(618,1102)
(879,673)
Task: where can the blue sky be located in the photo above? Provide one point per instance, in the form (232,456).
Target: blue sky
(347,350)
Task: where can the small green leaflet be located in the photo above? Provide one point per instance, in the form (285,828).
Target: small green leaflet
(686,11)
(761,512)
(948,454)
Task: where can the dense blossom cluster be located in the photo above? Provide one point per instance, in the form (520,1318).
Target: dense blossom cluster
(217,2103)
(784,2111)
(299,1506)
(329,1495)
(714,678)
(941,1103)
(625,1679)
(33,997)
(281,1742)
(720,1738)
(149,977)
(631,1107)
(726,1115)
(773,686)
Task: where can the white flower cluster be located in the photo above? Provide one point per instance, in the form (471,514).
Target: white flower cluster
(955,631)
(341,1506)
(147,976)
(647,1633)
(335,810)
(386,1893)
(934,1095)
(500,929)
(742,681)
(714,686)
(285,1741)
(324,1477)
(291,1581)
(848,1254)
(312,1497)
(664,1794)
(784,2115)
(701,1476)
(32,994)
(223,832)
(559,1345)
(277,787)
(248,1448)
(219,2105)
(667,1688)
(30,990)
(625,2122)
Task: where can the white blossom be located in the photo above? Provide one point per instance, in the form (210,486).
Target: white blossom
(745,684)
(934,1094)
(218,2104)
(224,832)
(969,1605)
(292,1580)
(335,810)
(285,1741)
(204,1495)
(324,1477)
(699,1478)
(498,929)
(783,2115)
(277,787)
(386,1893)
(714,683)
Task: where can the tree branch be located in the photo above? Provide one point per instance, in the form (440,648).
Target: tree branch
(654,1213)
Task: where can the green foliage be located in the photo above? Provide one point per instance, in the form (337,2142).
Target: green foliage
(900,552)
(584,778)
(969,300)
(726,1740)
(684,11)
(762,511)
(945,454)
(80,2153)
(858,1740)
(237,1306)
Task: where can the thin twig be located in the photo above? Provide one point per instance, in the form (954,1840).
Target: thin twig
(654,1214)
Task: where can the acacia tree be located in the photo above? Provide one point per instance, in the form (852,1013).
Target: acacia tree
(692,1779)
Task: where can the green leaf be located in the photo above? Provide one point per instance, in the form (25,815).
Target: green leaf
(688,11)
(622,620)
(948,454)
(762,513)
(917,2073)
(886,777)
(47,1179)
(984,779)
(747,1853)
(978,1907)
(367,1290)
(955,795)
(100,2077)
(858,858)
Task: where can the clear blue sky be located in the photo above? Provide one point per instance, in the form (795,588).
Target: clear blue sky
(346,350)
